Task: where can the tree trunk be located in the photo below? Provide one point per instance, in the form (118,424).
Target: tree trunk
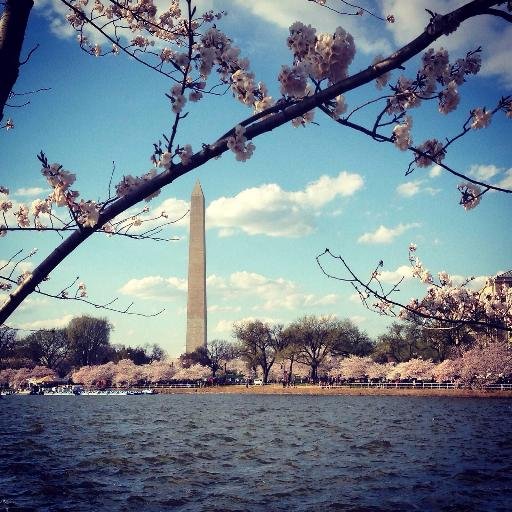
(314,373)
(290,371)
(13,25)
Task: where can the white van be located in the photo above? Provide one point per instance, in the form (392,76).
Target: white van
(258,382)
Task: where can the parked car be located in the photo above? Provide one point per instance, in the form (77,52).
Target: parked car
(258,382)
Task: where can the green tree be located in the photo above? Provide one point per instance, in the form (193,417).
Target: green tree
(89,340)
(406,340)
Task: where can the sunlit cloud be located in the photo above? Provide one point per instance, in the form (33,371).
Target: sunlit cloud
(409,189)
(285,12)
(484,172)
(270,210)
(384,235)
(29,192)
(48,323)
(240,289)
(155,287)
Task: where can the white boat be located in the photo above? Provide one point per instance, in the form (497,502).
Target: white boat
(62,391)
(104,392)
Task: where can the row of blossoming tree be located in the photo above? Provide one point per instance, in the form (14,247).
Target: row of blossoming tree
(478,367)
(187,48)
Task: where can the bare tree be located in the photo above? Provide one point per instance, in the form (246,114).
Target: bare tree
(7,342)
(89,340)
(260,344)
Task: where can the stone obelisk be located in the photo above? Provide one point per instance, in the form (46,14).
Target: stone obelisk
(196,305)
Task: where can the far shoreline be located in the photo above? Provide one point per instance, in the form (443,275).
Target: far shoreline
(277,389)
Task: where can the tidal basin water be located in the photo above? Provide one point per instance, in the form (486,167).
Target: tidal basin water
(255,453)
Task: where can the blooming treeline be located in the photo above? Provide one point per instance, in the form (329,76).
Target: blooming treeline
(476,367)
(126,373)
(23,376)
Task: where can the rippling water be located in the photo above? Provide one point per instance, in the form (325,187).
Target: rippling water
(255,453)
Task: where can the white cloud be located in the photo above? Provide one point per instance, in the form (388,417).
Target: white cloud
(272,211)
(49,323)
(393,276)
(409,188)
(224,326)
(215,308)
(355,297)
(271,294)
(358,319)
(492,34)
(155,287)
(255,291)
(483,172)
(492,174)
(286,12)
(506,182)
(384,235)
(435,171)
(6,267)
(31,191)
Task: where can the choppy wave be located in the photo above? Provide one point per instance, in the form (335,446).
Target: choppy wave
(196,453)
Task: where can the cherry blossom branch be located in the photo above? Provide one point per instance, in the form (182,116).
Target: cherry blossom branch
(501,14)
(30,53)
(115,42)
(147,187)
(359,12)
(385,303)
(417,151)
(81,296)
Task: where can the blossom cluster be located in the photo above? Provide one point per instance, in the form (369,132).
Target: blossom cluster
(436,70)
(238,144)
(445,300)
(130,183)
(476,367)
(323,56)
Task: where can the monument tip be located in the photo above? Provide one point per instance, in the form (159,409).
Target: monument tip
(197,191)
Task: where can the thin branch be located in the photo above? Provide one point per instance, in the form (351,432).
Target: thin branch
(62,295)
(29,54)
(356,282)
(501,14)
(383,138)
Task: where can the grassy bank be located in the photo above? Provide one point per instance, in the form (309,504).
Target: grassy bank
(276,389)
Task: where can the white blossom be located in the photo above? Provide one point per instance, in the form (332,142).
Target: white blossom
(402,134)
(481,118)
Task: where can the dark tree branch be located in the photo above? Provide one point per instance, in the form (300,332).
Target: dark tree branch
(13,25)
(501,14)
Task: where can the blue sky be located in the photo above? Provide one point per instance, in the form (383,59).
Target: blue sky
(303,190)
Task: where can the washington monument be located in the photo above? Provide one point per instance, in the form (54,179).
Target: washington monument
(196,304)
